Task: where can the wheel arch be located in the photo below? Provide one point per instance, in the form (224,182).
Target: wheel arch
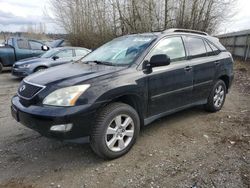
(225,79)
(134,101)
(40,66)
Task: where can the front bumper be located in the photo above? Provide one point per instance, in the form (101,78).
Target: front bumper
(42,118)
(21,73)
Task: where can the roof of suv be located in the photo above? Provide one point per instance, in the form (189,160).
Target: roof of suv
(190,32)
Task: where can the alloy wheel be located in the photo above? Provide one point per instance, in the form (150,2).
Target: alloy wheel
(119,133)
(219,96)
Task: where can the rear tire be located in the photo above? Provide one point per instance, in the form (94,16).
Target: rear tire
(115,131)
(217,97)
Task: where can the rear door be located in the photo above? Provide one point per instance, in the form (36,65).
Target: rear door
(203,61)
(169,87)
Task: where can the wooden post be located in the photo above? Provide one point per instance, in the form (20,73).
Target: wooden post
(234,45)
(246,48)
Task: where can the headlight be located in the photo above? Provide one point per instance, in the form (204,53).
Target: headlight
(65,96)
(24,66)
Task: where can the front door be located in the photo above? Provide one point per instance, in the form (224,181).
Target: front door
(62,57)
(170,87)
(23,50)
(36,48)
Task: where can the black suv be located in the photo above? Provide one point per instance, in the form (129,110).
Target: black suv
(125,84)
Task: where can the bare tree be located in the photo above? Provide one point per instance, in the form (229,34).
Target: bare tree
(90,23)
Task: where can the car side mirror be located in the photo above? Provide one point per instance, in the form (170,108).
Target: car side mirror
(159,60)
(45,48)
(55,58)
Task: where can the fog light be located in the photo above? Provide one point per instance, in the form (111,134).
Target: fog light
(62,128)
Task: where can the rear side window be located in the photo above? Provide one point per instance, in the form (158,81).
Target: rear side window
(214,48)
(196,47)
(210,52)
(173,47)
(23,44)
(35,45)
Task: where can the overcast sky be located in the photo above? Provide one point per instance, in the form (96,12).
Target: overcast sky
(15,15)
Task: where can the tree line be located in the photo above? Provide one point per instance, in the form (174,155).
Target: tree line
(90,23)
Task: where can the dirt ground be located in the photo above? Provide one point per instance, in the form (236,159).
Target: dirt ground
(192,148)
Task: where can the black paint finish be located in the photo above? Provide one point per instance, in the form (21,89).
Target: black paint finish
(155,93)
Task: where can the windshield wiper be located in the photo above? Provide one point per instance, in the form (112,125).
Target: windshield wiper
(100,62)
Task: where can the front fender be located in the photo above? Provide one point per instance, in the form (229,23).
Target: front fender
(98,95)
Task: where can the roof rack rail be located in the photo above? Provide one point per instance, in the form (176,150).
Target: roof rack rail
(185,31)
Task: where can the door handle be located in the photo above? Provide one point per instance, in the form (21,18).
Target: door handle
(188,68)
(217,63)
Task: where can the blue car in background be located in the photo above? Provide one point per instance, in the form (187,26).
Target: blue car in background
(51,58)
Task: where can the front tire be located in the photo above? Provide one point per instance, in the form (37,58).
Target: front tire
(39,69)
(115,131)
(217,97)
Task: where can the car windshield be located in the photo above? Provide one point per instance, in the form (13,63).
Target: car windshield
(49,53)
(121,51)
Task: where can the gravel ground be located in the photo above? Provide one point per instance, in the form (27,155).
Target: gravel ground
(191,148)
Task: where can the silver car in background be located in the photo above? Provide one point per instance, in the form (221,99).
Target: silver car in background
(51,58)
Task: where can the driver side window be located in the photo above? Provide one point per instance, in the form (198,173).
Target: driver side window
(65,54)
(35,45)
(172,46)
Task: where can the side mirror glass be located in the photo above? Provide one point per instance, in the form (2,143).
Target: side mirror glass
(55,58)
(45,48)
(159,60)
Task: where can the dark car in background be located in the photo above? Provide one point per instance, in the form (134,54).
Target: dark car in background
(51,58)
(123,85)
(15,49)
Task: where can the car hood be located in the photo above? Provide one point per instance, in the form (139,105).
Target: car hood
(30,60)
(71,74)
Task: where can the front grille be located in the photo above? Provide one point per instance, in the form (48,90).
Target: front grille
(28,90)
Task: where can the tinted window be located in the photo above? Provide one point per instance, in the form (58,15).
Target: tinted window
(22,44)
(209,49)
(173,47)
(81,53)
(196,47)
(214,48)
(35,45)
(65,53)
